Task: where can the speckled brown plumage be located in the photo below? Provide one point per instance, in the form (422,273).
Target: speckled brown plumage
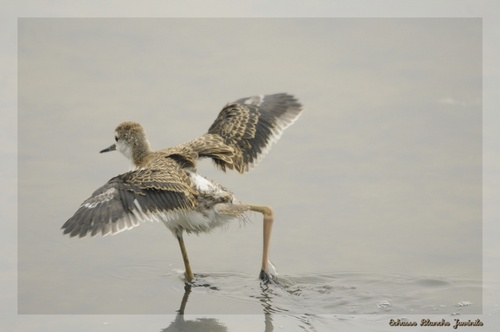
(164,185)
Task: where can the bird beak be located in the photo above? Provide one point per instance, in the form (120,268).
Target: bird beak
(111,148)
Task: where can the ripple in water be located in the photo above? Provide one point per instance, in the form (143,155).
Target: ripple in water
(320,294)
(346,293)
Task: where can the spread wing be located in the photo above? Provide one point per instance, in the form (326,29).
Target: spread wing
(248,127)
(127,199)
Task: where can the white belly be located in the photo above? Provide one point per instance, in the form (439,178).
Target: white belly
(206,216)
(197,222)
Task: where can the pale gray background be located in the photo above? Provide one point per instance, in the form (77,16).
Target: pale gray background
(238,188)
(381,173)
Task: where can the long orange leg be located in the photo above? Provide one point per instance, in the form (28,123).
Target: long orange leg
(268,214)
(189,273)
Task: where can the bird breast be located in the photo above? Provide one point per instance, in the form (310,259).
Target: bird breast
(209,213)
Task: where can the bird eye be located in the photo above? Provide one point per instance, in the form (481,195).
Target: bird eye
(116,138)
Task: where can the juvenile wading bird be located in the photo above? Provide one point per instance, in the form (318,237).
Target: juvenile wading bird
(164,186)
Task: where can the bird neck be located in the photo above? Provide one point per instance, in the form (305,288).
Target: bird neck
(140,153)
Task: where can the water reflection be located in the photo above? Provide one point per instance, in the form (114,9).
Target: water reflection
(269,291)
(198,324)
(309,300)
(193,325)
(211,324)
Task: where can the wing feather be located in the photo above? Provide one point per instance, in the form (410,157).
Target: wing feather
(249,126)
(127,199)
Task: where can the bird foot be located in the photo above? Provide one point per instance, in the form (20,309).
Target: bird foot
(189,279)
(267,278)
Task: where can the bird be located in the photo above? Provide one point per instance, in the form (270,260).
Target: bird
(164,185)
